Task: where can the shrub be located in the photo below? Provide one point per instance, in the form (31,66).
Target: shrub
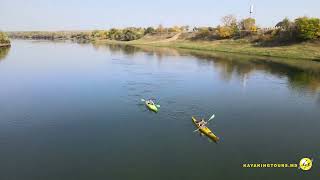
(205,33)
(127,34)
(114,33)
(225,32)
(99,34)
(131,34)
(285,24)
(286,32)
(175,29)
(4,38)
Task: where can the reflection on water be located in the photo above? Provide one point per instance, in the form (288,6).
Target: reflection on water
(4,52)
(302,75)
(132,50)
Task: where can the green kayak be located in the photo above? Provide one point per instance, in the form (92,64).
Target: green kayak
(150,105)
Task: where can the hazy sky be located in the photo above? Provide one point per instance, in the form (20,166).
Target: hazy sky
(102,14)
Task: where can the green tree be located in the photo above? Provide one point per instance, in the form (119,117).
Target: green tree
(308,28)
(149,30)
(285,24)
(130,34)
(113,34)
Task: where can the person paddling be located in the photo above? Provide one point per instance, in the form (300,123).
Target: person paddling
(202,123)
(150,102)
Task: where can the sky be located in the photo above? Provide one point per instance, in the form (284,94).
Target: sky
(51,15)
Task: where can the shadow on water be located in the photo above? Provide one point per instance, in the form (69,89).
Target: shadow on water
(301,75)
(4,52)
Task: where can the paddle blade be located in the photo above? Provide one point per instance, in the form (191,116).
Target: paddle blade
(158,105)
(143,100)
(211,117)
(196,130)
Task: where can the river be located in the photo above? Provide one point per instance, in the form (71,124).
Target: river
(73,111)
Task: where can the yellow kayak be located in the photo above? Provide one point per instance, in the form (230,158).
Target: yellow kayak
(205,130)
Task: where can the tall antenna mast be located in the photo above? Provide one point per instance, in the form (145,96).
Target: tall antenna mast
(251,10)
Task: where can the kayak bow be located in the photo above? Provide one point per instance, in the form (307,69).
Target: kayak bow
(205,130)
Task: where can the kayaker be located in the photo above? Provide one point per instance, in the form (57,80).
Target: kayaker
(202,123)
(151,102)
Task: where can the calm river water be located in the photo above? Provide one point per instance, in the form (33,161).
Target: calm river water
(73,112)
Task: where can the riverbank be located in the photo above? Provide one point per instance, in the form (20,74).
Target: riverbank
(308,50)
(305,50)
(5,45)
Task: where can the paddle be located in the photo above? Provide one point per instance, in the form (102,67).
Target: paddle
(196,130)
(154,100)
(211,117)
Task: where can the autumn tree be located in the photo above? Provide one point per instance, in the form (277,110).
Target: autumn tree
(248,24)
(229,21)
(229,27)
(225,32)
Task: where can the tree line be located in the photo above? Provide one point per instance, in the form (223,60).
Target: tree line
(125,34)
(300,29)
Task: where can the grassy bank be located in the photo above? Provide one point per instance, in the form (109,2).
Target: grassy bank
(306,50)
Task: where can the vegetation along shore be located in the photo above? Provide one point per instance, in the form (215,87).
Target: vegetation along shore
(4,40)
(299,39)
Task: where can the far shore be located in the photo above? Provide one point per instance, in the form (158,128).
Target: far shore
(292,39)
(305,50)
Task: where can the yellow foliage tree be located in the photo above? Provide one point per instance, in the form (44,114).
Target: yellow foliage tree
(225,31)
